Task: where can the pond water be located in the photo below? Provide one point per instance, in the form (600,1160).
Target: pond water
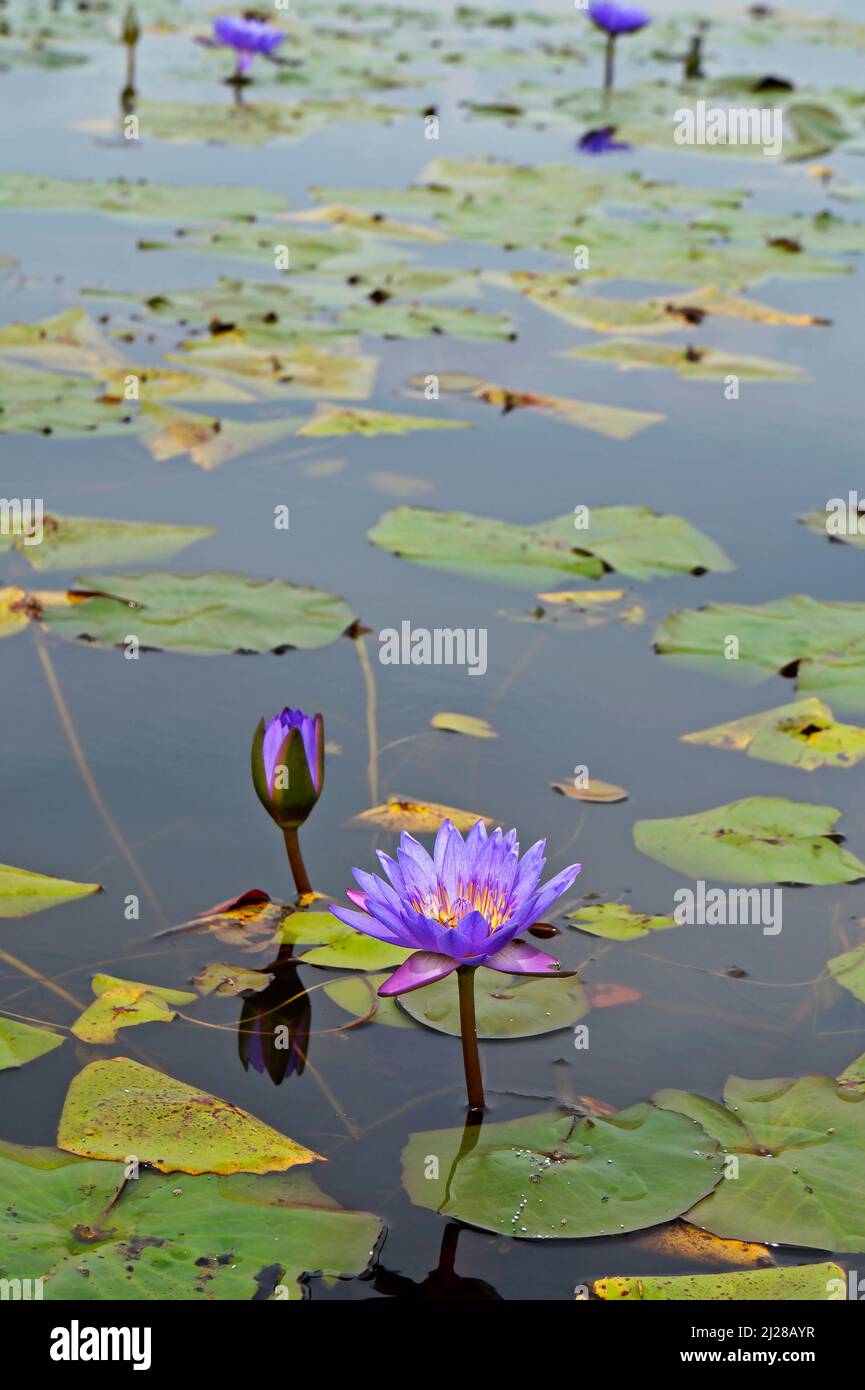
(165,739)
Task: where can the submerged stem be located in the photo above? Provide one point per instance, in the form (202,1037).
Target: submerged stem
(609,62)
(295,859)
(468,1031)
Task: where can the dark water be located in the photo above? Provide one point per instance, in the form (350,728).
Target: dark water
(167,738)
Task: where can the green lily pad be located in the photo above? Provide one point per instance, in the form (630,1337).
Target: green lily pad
(208,441)
(560,1176)
(506,1006)
(351,950)
(301,370)
(23,892)
(254,123)
(202,614)
(330,420)
(124,1003)
(805,1283)
(358,995)
(802,734)
(197,1238)
(799,1147)
(70,341)
(616,921)
(416,320)
(137,198)
(849,970)
(117,1108)
(698,364)
(763,839)
(837,528)
(309,928)
(65,406)
(820,645)
(21,1042)
(218,978)
(631,540)
(70,541)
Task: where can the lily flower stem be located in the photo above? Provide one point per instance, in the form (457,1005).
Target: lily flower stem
(609,62)
(295,859)
(468,1031)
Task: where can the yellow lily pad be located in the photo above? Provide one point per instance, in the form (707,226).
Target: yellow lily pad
(400,813)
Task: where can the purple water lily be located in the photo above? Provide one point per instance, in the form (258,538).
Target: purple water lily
(462,907)
(288,775)
(601,141)
(247,37)
(615,19)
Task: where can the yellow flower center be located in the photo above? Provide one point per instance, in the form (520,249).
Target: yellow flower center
(470,897)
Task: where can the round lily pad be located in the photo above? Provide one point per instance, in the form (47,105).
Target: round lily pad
(506,1006)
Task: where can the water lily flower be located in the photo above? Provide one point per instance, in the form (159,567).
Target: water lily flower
(288,775)
(601,141)
(461,907)
(247,37)
(615,19)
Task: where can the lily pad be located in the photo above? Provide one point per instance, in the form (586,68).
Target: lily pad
(849,970)
(506,1006)
(617,922)
(202,614)
(202,1238)
(331,420)
(804,1283)
(351,950)
(122,1004)
(358,995)
(218,978)
(119,1107)
(468,724)
(70,541)
(557,1176)
(138,198)
(763,839)
(821,645)
(691,363)
(402,813)
(208,440)
(23,892)
(594,790)
(798,1147)
(21,1042)
(631,540)
(802,734)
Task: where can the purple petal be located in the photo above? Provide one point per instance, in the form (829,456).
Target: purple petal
(519,958)
(368,925)
(549,892)
(423,968)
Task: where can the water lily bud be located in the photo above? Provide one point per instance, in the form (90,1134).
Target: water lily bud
(131,27)
(288,765)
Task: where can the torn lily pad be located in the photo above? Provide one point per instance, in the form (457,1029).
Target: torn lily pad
(794,1282)
(119,1107)
(631,540)
(802,734)
(690,363)
(124,1003)
(762,839)
(418,817)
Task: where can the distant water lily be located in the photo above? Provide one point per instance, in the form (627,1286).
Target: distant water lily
(601,141)
(288,775)
(456,910)
(247,37)
(615,19)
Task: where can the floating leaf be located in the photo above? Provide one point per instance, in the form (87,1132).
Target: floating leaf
(617,922)
(699,364)
(594,790)
(20,1042)
(826,524)
(399,814)
(679,1241)
(70,541)
(23,892)
(819,644)
(559,1176)
(359,997)
(119,1107)
(202,1238)
(506,1006)
(331,420)
(123,1003)
(217,123)
(201,613)
(849,970)
(70,341)
(796,1148)
(209,441)
(136,198)
(763,839)
(352,950)
(802,734)
(808,1283)
(218,978)
(616,422)
(468,724)
(416,320)
(294,370)
(632,540)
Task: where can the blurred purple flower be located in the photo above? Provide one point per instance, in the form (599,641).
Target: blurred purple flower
(617,19)
(461,907)
(601,141)
(246,36)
